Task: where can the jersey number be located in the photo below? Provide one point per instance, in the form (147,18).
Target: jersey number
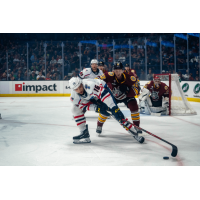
(96,88)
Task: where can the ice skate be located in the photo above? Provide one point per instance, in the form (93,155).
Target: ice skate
(99,129)
(84,137)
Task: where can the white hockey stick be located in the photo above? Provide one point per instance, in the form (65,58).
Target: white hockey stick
(153,114)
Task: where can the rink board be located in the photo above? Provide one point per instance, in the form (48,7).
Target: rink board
(61,88)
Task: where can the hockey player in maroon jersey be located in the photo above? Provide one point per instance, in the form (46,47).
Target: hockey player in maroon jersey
(101,67)
(154,97)
(124,88)
(128,70)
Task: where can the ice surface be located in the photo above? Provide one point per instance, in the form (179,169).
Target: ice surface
(39,131)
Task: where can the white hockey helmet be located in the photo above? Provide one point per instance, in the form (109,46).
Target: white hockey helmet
(94,61)
(74,83)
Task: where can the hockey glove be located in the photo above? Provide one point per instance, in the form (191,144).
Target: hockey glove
(124,89)
(100,107)
(116,112)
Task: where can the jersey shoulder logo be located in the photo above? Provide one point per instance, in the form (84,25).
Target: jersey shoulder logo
(111,73)
(133,70)
(103,76)
(166,88)
(133,78)
(81,73)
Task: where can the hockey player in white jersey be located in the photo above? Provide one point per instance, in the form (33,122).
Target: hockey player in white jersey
(93,95)
(92,72)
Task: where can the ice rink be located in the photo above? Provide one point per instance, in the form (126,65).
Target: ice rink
(39,131)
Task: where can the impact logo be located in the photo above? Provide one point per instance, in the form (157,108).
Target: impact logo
(185,87)
(197,88)
(35,88)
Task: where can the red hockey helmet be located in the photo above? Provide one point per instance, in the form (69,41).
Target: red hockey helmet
(156,80)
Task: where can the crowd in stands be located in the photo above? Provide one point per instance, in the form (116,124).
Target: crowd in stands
(58,68)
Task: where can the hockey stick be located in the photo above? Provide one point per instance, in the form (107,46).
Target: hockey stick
(174,148)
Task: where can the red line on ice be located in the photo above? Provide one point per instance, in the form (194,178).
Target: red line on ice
(186,121)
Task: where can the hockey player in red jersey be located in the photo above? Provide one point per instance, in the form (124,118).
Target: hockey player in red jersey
(124,88)
(154,97)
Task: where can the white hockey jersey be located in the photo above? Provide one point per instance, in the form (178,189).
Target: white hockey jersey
(94,88)
(88,73)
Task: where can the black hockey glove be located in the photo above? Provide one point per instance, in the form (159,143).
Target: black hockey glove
(124,89)
(101,107)
(116,112)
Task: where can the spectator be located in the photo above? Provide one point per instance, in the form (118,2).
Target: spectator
(53,61)
(181,61)
(53,77)
(109,68)
(40,76)
(142,75)
(19,78)
(180,76)
(3,78)
(76,71)
(33,76)
(196,78)
(66,78)
(190,77)
(48,77)
(110,58)
(150,76)
(60,60)
(32,57)
(25,76)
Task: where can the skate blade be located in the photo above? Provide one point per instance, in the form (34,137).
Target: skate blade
(85,140)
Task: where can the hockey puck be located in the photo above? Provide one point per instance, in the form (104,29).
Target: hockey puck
(166,158)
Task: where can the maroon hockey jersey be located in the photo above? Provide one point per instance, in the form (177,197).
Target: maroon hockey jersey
(157,92)
(114,84)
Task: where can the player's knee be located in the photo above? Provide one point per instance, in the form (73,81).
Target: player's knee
(76,110)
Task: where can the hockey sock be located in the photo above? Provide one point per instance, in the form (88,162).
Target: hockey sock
(101,120)
(80,121)
(135,116)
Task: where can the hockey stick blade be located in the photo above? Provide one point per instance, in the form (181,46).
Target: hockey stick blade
(174,151)
(156,114)
(174,148)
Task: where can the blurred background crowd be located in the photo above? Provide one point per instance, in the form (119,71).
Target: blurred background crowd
(25,56)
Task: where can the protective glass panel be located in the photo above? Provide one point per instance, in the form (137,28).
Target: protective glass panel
(3,66)
(105,53)
(36,60)
(17,61)
(122,51)
(89,52)
(168,54)
(71,59)
(193,58)
(138,57)
(181,55)
(153,57)
(54,61)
